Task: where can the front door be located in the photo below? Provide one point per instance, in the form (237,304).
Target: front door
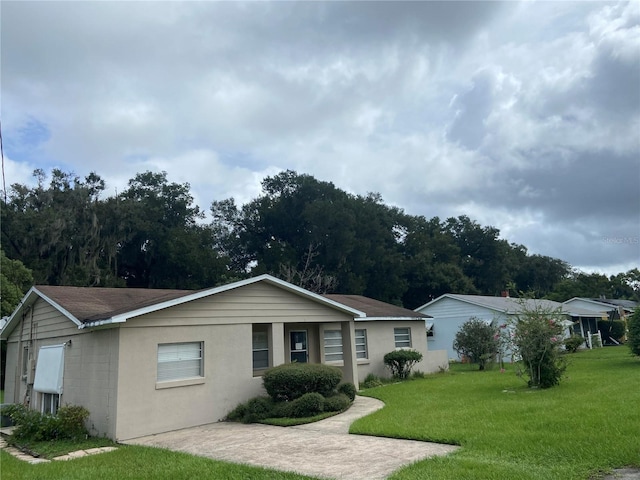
(299,351)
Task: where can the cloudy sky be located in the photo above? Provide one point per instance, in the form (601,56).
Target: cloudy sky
(522,115)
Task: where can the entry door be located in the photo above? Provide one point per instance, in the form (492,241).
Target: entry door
(299,350)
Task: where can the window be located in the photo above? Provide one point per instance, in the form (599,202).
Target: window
(361,344)
(429,326)
(402,337)
(50,403)
(260,347)
(177,361)
(332,345)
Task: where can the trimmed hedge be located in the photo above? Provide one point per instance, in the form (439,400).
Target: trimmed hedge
(349,389)
(307,405)
(400,362)
(336,403)
(292,380)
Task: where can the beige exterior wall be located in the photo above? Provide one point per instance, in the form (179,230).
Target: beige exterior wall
(380,341)
(223,323)
(90,364)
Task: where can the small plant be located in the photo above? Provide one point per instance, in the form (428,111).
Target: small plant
(573,343)
(256,409)
(349,389)
(372,381)
(477,341)
(418,375)
(400,362)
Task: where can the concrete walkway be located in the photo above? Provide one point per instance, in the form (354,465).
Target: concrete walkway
(322,449)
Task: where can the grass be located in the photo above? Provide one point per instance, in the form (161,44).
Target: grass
(290,422)
(588,424)
(137,463)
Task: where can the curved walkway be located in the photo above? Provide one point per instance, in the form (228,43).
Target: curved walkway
(322,449)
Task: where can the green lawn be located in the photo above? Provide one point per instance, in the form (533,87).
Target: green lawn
(590,423)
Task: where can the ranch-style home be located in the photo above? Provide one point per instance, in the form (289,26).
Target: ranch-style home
(146,361)
(450,311)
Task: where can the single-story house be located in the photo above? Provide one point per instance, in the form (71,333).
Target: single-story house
(450,311)
(146,361)
(612,309)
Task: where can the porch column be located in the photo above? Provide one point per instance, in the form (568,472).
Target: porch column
(350,369)
(277,344)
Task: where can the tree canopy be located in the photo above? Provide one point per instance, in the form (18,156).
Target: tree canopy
(152,235)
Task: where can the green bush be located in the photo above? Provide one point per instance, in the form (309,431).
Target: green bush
(349,389)
(400,362)
(307,405)
(478,341)
(336,403)
(292,380)
(256,409)
(573,343)
(634,332)
(31,425)
(371,381)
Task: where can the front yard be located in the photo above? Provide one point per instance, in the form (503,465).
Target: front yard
(588,424)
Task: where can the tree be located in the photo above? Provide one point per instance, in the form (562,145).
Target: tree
(15,280)
(634,333)
(537,340)
(478,341)
(400,362)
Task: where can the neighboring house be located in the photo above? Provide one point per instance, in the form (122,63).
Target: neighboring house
(611,309)
(408,331)
(450,311)
(145,361)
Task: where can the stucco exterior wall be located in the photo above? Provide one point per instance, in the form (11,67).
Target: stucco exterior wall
(90,364)
(381,340)
(223,323)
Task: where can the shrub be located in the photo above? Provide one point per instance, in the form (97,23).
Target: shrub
(634,332)
(371,381)
(307,405)
(336,403)
(256,409)
(400,362)
(418,375)
(478,341)
(573,343)
(31,425)
(292,380)
(349,389)
(71,421)
(537,340)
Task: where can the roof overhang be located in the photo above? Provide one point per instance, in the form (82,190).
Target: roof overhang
(392,319)
(121,318)
(23,307)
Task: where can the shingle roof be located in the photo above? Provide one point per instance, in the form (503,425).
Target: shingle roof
(375,308)
(509,305)
(95,303)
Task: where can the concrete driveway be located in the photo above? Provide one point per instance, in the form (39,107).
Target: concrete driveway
(322,449)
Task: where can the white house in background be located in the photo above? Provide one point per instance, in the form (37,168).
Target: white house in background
(611,308)
(450,311)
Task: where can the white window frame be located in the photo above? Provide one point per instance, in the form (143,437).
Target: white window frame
(259,329)
(430,329)
(179,361)
(333,346)
(402,337)
(362,348)
(50,402)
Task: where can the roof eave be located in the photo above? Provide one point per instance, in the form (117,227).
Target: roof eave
(123,317)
